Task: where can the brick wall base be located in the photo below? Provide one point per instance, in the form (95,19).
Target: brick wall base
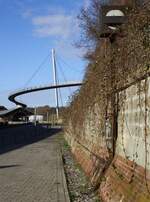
(119,180)
(125,182)
(94,162)
(92,165)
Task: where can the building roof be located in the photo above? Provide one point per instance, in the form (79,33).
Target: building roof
(19,111)
(2,108)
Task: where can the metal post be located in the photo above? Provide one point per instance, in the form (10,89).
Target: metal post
(35,113)
(55,83)
(47,117)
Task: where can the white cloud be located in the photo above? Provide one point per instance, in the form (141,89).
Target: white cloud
(58,25)
(61,27)
(45,20)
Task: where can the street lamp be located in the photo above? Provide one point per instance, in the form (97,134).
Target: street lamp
(112,17)
(115,17)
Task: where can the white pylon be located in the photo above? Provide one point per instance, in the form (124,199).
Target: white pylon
(55,83)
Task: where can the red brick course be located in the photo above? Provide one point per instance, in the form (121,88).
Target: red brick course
(121,181)
(125,181)
(92,161)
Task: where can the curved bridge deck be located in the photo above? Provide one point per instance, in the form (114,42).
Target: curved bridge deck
(13,96)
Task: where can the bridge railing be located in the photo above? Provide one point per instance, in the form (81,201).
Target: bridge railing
(41,86)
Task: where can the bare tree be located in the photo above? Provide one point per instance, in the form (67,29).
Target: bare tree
(91,23)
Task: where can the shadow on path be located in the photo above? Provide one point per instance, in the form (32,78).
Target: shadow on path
(20,135)
(9,166)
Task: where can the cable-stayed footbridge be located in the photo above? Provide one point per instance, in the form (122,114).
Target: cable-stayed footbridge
(12,97)
(56,86)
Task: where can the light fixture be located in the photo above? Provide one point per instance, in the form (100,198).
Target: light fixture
(114,13)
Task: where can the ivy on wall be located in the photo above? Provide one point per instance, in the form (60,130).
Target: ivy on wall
(111,68)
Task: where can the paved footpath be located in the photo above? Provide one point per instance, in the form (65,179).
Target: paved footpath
(33,173)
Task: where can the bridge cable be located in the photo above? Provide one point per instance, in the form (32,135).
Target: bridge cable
(37,70)
(62,72)
(59,90)
(64,77)
(66,64)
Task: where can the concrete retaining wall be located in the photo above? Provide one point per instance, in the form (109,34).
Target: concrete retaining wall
(126,176)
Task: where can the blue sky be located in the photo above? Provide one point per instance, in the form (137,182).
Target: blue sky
(29,30)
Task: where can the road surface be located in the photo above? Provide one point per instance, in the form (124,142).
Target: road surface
(33,173)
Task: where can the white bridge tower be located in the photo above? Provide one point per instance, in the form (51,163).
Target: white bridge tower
(55,83)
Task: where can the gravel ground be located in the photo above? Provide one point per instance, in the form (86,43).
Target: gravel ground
(80,189)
